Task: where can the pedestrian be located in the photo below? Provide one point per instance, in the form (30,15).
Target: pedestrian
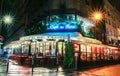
(111,57)
(22,60)
(5,54)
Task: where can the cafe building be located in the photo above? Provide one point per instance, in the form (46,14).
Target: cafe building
(60,30)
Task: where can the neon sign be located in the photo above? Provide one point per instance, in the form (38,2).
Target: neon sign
(63,27)
(68,22)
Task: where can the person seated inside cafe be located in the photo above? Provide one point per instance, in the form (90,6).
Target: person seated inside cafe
(40,54)
(53,52)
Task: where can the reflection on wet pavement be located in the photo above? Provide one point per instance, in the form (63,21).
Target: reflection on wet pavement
(17,70)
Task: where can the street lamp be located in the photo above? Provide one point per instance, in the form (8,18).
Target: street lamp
(8,19)
(96,16)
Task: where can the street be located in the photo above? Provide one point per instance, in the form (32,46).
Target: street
(113,70)
(17,70)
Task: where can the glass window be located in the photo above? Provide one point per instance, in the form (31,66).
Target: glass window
(89,53)
(116,54)
(102,50)
(83,48)
(102,56)
(83,56)
(89,56)
(76,47)
(98,56)
(61,48)
(94,49)
(98,50)
(89,49)
(32,47)
(25,49)
(94,56)
(106,53)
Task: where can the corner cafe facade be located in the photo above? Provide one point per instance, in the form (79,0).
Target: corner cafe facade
(60,30)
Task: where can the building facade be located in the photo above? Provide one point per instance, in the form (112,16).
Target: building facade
(61,21)
(43,10)
(112,22)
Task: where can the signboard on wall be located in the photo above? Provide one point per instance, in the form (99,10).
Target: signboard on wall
(68,23)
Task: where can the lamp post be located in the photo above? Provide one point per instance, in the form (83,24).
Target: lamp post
(6,20)
(97,17)
(56,52)
(33,55)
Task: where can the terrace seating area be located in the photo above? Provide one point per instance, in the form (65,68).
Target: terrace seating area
(37,61)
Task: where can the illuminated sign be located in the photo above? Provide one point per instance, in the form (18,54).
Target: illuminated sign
(63,27)
(68,23)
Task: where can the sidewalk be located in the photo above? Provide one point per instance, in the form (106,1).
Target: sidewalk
(18,70)
(3,65)
(3,69)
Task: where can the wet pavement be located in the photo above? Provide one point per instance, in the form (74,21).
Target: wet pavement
(17,70)
(113,70)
